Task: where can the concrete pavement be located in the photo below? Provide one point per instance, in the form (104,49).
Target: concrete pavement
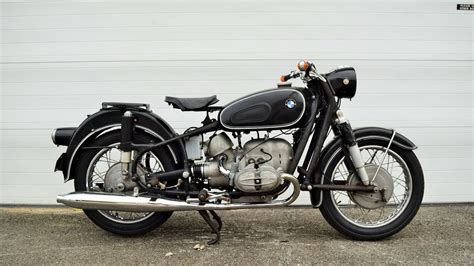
(30,235)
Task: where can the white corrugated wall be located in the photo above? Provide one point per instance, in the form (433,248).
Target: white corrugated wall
(61,59)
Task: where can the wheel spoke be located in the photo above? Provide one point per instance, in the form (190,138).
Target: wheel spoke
(108,162)
(400,184)
(366,214)
(372,156)
(98,169)
(107,157)
(345,170)
(395,167)
(381,212)
(98,178)
(99,173)
(391,168)
(338,195)
(395,198)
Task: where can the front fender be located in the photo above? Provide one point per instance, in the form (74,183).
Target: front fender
(362,133)
(384,134)
(378,133)
(107,120)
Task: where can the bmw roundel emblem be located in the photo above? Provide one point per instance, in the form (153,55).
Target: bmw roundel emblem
(290,103)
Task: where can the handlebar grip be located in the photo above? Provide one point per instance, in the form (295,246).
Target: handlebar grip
(285,78)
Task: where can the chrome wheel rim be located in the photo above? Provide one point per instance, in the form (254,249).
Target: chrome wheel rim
(374,218)
(97,170)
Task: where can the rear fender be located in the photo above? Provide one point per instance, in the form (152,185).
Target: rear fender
(364,133)
(108,120)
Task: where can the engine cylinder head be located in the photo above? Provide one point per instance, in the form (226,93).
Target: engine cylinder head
(219,144)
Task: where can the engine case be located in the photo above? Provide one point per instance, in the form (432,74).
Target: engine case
(280,150)
(263,162)
(264,178)
(260,163)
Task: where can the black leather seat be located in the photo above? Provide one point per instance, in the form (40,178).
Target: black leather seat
(191,104)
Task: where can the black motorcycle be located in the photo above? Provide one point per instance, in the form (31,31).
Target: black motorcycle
(131,170)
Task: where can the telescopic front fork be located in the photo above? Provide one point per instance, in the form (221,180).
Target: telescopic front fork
(349,140)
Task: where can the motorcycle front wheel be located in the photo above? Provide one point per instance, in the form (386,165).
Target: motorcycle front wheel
(99,169)
(373,215)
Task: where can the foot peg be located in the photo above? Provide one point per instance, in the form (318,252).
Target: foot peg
(216,229)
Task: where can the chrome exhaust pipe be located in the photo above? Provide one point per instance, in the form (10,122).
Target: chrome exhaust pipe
(120,202)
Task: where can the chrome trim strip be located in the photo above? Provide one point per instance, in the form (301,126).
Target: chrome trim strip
(79,145)
(264,127)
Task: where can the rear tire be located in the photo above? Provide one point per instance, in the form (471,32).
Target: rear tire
(340,215)
(150,221)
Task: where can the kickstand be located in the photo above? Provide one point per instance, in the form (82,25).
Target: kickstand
(215,229)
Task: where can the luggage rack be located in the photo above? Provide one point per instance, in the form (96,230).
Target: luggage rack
(119,105)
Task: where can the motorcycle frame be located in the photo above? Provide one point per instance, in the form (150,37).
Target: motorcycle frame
(316,127)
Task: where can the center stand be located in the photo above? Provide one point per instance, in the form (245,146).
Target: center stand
(215,228)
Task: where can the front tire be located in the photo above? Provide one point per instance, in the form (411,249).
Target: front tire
(371,221)
(88,171)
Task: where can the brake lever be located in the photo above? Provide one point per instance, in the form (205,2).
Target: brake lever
(321,77)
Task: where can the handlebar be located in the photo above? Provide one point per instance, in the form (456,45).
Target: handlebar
(306,69)
(292,75)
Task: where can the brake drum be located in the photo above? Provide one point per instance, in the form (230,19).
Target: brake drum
(372,200)
(114,182)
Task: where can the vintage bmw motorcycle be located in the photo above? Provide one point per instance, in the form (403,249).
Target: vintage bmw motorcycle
(131,170)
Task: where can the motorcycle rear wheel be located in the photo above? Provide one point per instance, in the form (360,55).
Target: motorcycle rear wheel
(360,215)
(88,178)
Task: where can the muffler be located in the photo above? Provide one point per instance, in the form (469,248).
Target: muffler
(121,202)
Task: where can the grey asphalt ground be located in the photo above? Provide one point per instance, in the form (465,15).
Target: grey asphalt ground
(439,234)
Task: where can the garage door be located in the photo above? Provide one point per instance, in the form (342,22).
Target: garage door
(60,60)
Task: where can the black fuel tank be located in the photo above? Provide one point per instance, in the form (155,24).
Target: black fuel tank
(270,109)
